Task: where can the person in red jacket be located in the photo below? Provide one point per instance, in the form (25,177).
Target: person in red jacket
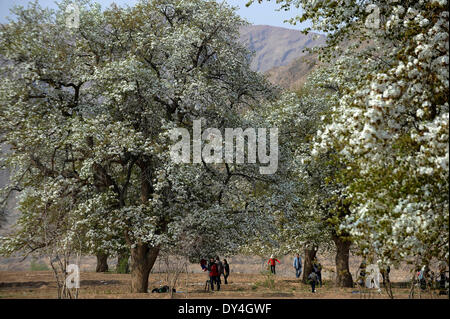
(213,268)
(272,261)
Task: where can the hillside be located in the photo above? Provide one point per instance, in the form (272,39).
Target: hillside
(293,75)
(275,46)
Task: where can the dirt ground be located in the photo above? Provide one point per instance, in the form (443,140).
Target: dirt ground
(41,284)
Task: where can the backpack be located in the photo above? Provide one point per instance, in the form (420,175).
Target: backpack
(163,289)
(312,277)
(316,268)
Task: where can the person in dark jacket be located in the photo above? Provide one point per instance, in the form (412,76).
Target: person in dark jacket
(317,267)
(213,274)
(226,271)
(385,275)
(219,268)
(312,279)
(443,283)
(362,274)
(443,279)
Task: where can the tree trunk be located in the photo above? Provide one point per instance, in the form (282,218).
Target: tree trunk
(310,254)
(123,266)
(343,275)
(143,258)
(102,263)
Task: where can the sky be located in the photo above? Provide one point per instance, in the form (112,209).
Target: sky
(264,13)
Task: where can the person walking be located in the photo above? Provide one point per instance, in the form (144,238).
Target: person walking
(443,279)
(423,277)
(272,261)
(362,274)
(385,275)
(312,278)
(298,265)
(317,267)
(213,274)
(226,271)
(219,268)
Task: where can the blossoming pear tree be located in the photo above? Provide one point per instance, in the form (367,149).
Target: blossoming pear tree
(306,202)
(87,112)
(390,126)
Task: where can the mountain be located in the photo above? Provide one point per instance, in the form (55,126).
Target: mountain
(275,46)
(293,75)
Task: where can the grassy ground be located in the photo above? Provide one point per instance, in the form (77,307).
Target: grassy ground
(41,284)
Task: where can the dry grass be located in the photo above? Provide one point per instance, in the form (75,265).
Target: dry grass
(41,284)
(245,281)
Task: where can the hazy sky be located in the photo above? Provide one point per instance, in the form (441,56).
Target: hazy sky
(264,13)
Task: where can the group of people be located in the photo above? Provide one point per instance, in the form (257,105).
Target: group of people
(314,278)
(427,279)
(363,274)
(424,277)
(216,269)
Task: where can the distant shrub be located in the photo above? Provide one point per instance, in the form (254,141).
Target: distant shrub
(123,267)
(36,266)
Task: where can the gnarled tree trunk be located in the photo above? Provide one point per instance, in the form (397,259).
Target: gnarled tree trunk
(102,263)
(343,275)
(143,258)
(310,254)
